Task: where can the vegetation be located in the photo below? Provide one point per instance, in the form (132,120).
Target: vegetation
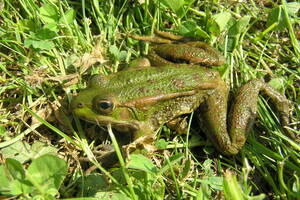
(50,48)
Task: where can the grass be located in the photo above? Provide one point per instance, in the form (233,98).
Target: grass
(48,51)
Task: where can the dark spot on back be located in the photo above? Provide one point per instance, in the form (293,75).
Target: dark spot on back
(150,81)
(179,83)
(196,77)
(143,90)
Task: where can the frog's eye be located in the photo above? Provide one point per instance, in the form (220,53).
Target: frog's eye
(103,106)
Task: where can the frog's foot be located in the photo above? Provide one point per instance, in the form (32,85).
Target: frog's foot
(179,124)
(243,112)
(141,143)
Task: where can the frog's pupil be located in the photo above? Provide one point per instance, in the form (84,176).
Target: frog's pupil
(105,104)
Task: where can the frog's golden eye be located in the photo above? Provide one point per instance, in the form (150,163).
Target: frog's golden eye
(103,106)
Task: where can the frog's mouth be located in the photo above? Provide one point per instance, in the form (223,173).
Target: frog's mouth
(120,125)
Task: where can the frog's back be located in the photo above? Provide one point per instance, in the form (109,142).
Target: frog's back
(151,81)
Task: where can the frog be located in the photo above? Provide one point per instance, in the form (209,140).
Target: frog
(175,80)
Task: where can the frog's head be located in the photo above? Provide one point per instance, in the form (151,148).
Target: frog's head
(98,104)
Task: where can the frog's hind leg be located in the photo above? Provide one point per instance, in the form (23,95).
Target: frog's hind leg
(160,37)
(210,57)
(168,35)
(243,113)
(244,109)
(152,39)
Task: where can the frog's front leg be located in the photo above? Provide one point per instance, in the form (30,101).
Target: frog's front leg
(229,141)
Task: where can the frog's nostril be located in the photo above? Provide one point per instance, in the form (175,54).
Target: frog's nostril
(80,105)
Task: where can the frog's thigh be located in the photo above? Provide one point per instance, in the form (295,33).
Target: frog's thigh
(212,115)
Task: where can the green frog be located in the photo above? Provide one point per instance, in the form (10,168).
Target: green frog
(175,81)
